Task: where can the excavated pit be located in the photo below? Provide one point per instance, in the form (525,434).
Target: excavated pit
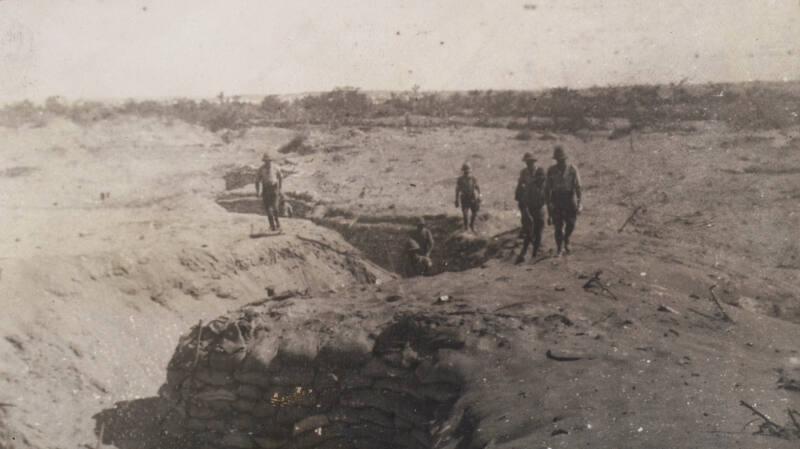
(242,385)
(382,239)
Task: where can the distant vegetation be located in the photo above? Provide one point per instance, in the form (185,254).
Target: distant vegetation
(745,106)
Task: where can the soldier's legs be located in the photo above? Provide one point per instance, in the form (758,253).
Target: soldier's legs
(569,221)
(265,199)
(522,209)
(271,206)
(474,210)
(465,214)
(536,231)
(558,225)
(527,233)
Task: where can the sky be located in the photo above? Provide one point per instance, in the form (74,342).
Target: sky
(196,48)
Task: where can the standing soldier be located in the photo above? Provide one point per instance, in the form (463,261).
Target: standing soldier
(468,196)
(563,194)
(530,195)
(420,246)
(268,184)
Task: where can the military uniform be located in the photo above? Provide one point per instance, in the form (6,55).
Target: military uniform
(420,246)
(530,195)
(563,192)
(270,180)
(468,197)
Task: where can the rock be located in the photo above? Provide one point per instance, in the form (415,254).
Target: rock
(310,423)
(217,394)
(217,378)
(223,361)
(254,379)
(248,391)
(293,376)
(195,424)
(239,440)
(299,347)
(270,443)
(245,405)
(260,354)
(376,368)
(663,308)
(198,410)
(289,415)
(348,347)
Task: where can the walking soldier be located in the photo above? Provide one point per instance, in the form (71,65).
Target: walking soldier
(530,196)
(468,196)
(268,184)
(563,194)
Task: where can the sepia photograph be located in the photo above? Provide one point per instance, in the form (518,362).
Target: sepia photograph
(400,224)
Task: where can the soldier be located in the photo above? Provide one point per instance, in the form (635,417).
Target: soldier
(563,194)
(468,196)
(420,246)
(268,184)
(530,195)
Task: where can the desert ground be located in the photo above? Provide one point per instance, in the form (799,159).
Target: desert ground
(102,294)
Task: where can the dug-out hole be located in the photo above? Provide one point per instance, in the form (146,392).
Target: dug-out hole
(381,239)
(243,389)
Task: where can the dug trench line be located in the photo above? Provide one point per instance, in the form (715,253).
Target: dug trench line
(383,239)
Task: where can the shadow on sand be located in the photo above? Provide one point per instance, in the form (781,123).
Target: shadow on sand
(149,423)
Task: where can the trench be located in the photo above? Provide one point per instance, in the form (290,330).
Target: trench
(382,239)
(242,388)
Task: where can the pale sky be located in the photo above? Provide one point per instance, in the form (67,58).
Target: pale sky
(168,48)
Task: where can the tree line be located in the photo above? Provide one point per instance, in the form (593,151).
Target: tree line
(760,105)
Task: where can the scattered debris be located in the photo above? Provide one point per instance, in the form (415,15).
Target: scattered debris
(595,281)
(663,308)
(442,299)
(280,297)
(771,428)
(630,217)
(393,298)
(561,358)
(714,299)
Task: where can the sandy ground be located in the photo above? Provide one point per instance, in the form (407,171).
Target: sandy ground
(97,292)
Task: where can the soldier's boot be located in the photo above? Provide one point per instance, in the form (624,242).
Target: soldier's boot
(271,222)
(535,251)
(566,247)
(472,223)
(277,223)
(521,257)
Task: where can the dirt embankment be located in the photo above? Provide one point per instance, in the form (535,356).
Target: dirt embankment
(521,356)
(112,246)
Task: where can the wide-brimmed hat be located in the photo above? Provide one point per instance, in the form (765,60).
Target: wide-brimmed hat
(528,157)
(420,221)
(559,153)
(465,166)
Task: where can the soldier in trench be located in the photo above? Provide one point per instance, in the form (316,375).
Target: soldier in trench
(268,185)
(419,248)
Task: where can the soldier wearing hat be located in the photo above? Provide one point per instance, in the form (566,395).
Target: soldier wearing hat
(563,195)
(419,248)
(268,184)
(530,196)
(468,196)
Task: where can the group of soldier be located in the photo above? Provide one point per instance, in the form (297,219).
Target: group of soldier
(552,197)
